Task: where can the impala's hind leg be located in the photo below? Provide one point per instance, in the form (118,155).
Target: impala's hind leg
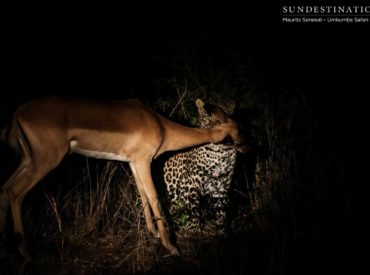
(4,204)
(4,195)
(33,167)
(18,175)
(17,188)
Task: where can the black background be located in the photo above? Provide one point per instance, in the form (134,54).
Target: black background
(106,51)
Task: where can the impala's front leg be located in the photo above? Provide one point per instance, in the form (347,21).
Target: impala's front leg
(145,203)
(144,177)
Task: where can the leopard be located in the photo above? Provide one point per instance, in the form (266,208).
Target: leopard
(198,181)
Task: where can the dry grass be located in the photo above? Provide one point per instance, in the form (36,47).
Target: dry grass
(100,223)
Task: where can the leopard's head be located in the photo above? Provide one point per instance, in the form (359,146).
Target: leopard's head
(219,112)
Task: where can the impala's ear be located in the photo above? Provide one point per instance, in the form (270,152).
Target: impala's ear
(216,113)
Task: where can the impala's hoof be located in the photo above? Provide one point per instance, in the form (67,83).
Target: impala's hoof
(174,251)
(27,258)
(2,247)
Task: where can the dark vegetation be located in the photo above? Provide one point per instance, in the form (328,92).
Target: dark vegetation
(298,200)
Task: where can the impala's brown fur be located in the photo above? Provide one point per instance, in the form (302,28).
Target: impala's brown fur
(45,130)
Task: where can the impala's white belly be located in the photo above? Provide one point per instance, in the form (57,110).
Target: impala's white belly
(96,154)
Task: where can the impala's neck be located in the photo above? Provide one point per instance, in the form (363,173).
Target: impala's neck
(178,137)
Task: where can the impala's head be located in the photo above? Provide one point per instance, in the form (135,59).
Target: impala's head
(210,116)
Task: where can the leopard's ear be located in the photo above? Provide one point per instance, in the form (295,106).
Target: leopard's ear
(216,113)
(199,103)
(231,107)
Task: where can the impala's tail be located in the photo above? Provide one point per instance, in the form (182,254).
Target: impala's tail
(8,146)
(4,135)
(9,135)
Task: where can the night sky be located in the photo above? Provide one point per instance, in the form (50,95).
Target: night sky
(117,51)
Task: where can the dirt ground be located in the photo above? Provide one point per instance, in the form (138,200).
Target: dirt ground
(219,255)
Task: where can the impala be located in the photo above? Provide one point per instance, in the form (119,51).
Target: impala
(45,130)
